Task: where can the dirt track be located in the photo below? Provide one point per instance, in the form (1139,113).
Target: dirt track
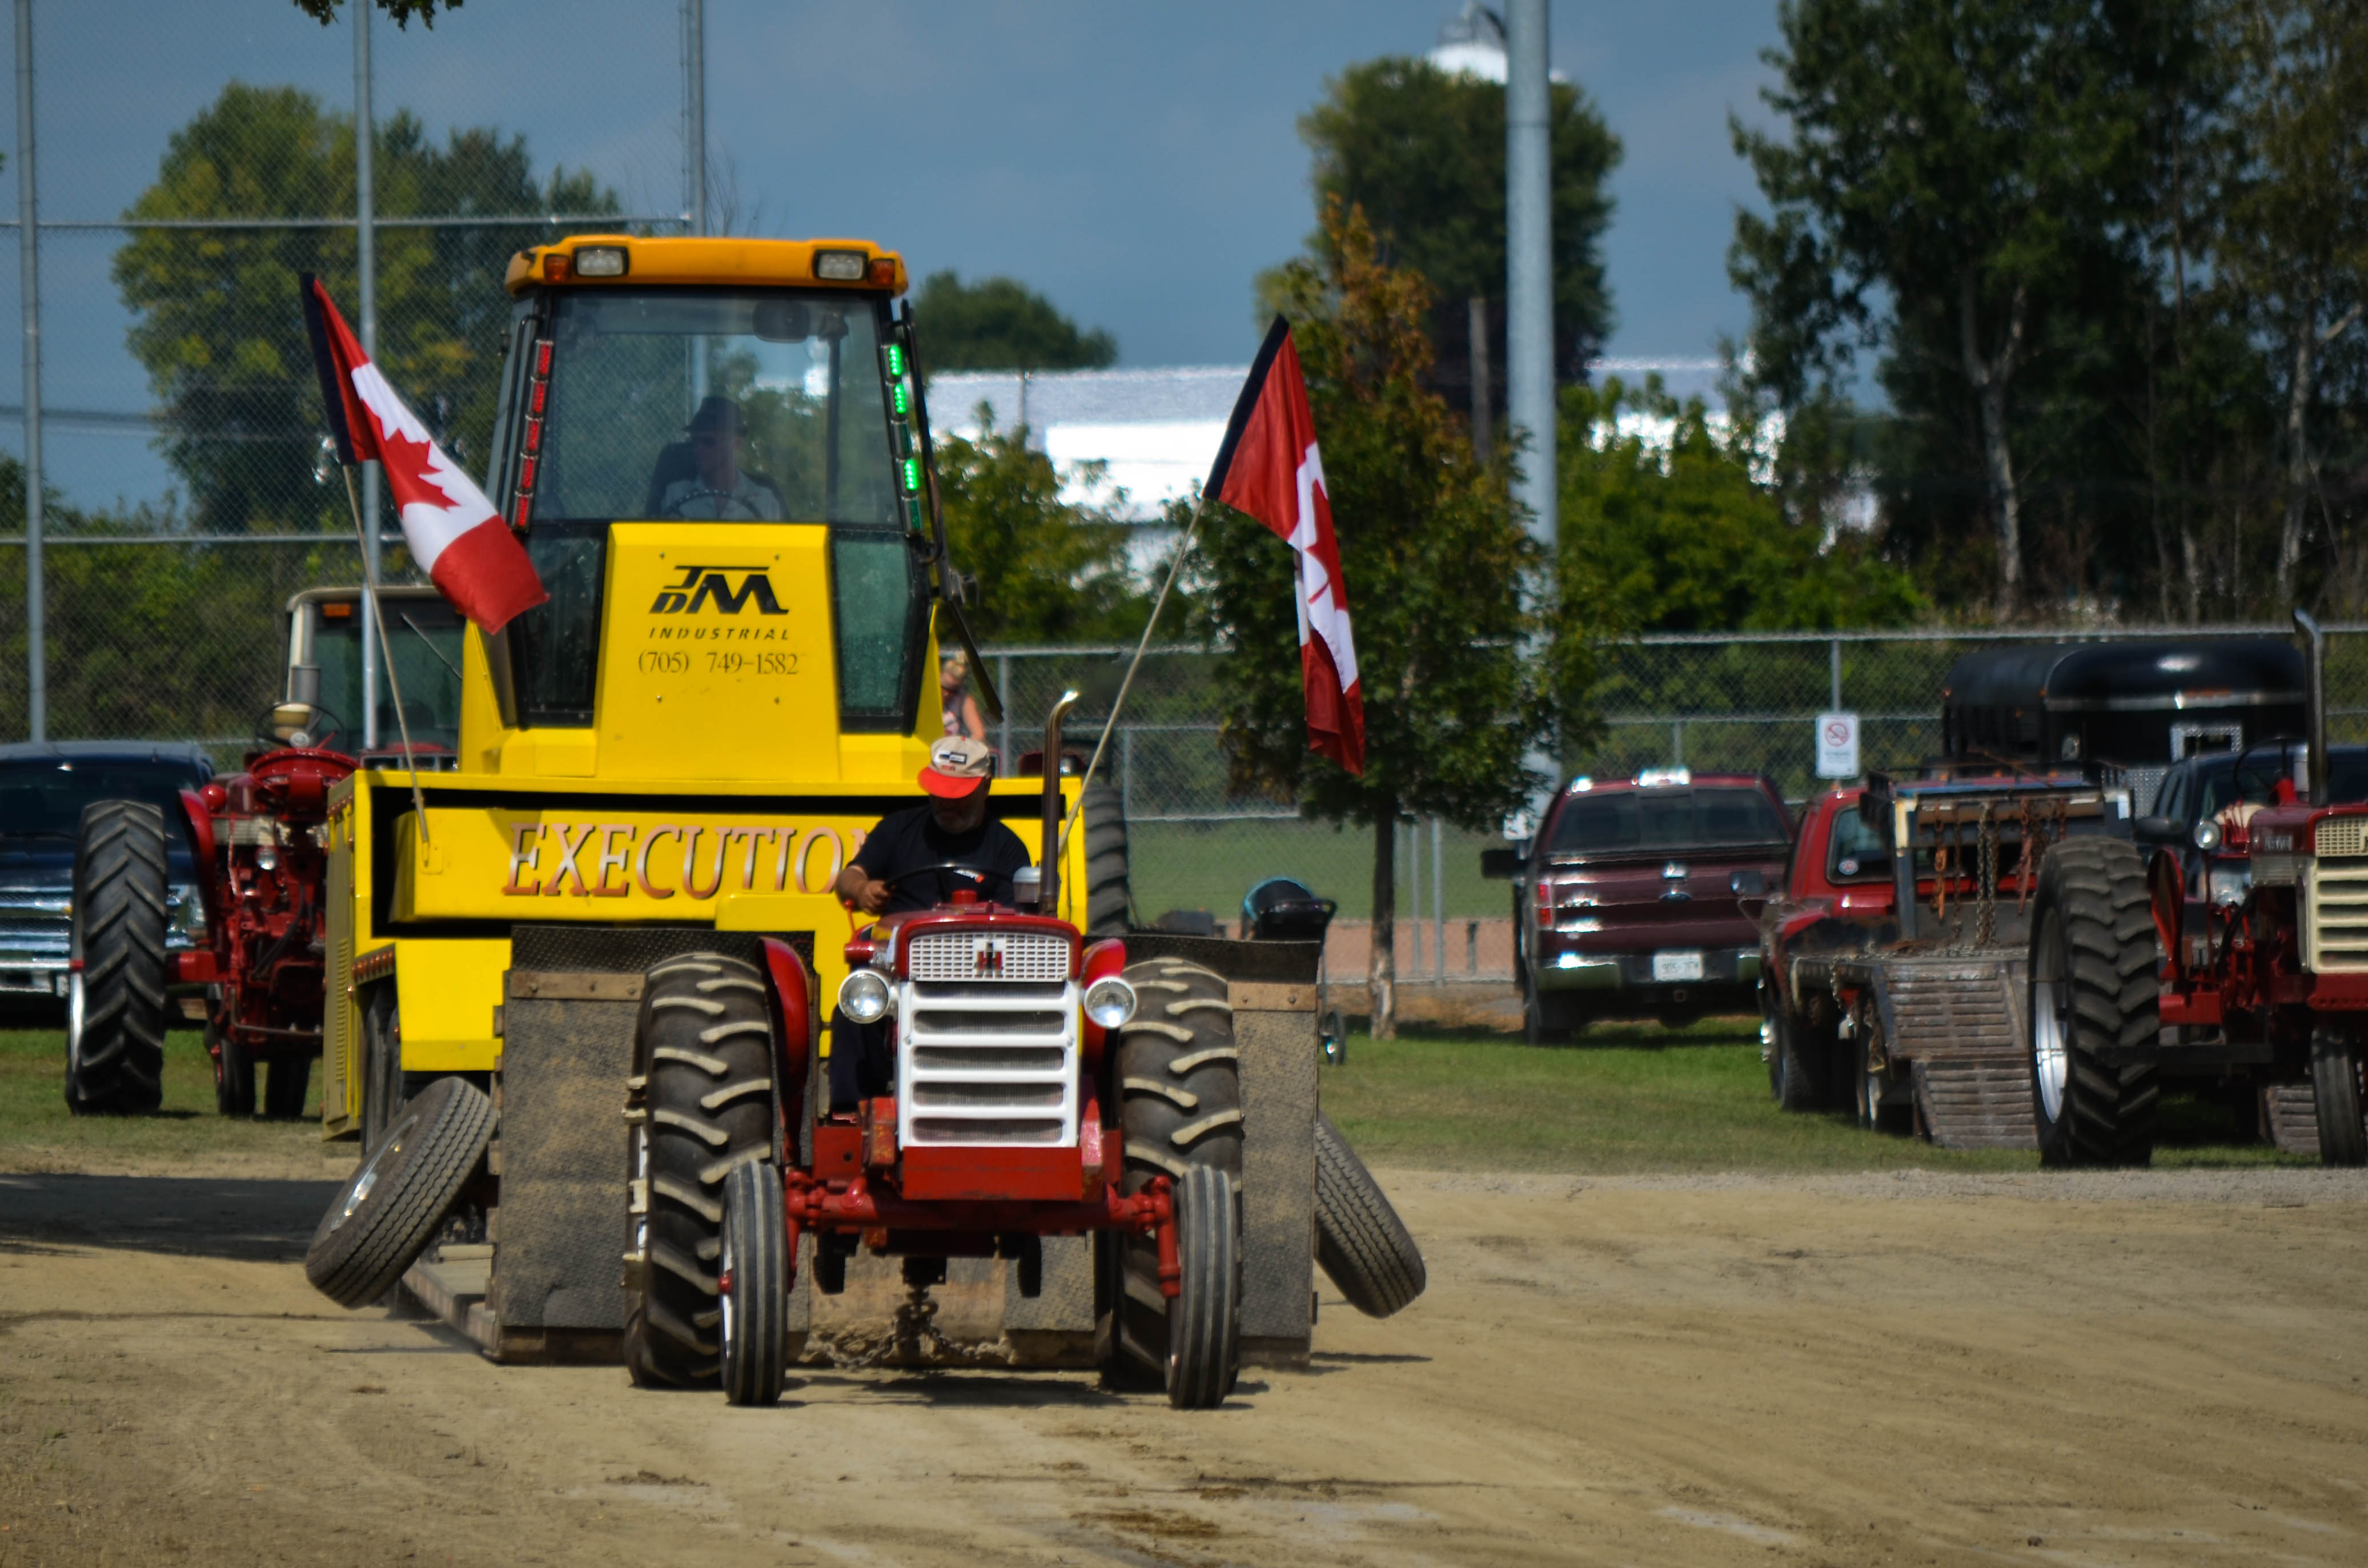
(2155,1369)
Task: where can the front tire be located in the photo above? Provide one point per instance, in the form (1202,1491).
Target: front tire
(704,1054)
(283,1092)
(2335,1059)
(2094,993)
(234,1074)
(1179,1077)
(1204,1321)
(754,1277)
(115,1060)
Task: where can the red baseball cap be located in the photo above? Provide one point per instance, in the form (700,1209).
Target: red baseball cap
(957,766)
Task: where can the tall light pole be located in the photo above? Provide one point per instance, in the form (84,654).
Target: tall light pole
(366,253)
(28,251)
(1528,291)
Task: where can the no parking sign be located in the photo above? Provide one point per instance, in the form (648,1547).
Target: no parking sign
(1837,745)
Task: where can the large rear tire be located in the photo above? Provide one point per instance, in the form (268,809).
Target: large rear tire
(2335,1093)
(115,1040)
(755,1277)
(704,1059)
(389,1209)
(1179,1077)
(1110,894)
(2094,996)
(1363,1245)
(1204,1321)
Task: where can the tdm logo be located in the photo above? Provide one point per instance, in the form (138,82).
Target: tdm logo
(701,584)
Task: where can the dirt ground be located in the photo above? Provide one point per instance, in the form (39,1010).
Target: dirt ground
(2156,1368)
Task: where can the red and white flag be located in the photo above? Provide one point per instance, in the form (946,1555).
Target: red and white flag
(454,532)
(1269,468)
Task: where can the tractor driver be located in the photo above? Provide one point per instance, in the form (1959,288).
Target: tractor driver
(719,489)
(914,859)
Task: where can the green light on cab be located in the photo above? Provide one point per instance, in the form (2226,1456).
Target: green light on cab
(895,358)
(913,475)
(902,398)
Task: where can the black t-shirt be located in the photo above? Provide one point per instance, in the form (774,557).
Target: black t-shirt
(908,839)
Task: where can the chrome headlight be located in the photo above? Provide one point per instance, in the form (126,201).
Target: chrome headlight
(1109,1002)
(2207,836)
(863,997)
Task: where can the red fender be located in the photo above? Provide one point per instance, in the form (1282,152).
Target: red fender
(2167,896)
(793,1031)
(200,821)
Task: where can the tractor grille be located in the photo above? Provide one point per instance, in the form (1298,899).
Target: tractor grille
(2342,835)
(979,1064)
(2335,908)
(1037,955)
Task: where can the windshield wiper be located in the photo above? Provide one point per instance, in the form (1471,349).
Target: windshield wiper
(432,646)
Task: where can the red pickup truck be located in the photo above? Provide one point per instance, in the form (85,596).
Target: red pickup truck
(1837,897)
(1628,902)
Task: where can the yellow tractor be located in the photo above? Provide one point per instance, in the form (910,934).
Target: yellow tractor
(575,996)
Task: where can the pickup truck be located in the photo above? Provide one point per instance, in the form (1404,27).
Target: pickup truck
(1629,900)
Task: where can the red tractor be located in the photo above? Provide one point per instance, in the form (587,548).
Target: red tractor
(259,841)
(2279,973)
(1024,1080)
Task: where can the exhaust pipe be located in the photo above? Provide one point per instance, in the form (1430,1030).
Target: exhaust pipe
(2319,780)
(1048,871)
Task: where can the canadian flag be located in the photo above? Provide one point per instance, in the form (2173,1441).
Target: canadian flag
(1270,469)
(453,531)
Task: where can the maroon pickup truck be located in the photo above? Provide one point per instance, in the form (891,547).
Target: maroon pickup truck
(1627,904)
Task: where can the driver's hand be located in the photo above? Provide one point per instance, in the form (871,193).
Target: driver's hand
(872,897)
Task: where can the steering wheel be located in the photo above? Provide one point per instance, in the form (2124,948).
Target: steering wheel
(722,498)
(902,877)
(325,725)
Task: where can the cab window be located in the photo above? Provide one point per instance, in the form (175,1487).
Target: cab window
(1857,853)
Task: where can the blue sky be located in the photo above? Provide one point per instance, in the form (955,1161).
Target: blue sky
(1137,162)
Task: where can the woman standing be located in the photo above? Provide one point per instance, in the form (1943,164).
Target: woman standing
(960,708)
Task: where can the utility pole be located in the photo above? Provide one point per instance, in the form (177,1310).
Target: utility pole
(365,252)
(1528,296)
(694,115)
(28,251)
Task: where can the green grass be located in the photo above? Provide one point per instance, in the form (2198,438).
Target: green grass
(1632,1098)
(1642,1099)
(33,1112)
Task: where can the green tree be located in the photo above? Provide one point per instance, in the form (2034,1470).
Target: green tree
(216,316)
(326,11)
(998,324)
(1948,180)
(1048,570)
(1664,522)
(1422,150)
(2294,236)
(1434,558)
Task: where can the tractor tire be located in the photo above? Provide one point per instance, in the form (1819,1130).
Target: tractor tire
(1109,896)
(290,1078)
(1179,1077)
(115,1040)
(390,1209)
(1794,1081)
(1204,1322)
(1359,1240)
(755,1279)
(704,1052)
(234,1074)
(2335,1059)
(2094,991)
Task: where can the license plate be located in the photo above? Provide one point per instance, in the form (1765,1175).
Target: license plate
(1669,967)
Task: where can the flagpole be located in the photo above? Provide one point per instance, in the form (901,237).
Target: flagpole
(1183,549)
(386,652)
